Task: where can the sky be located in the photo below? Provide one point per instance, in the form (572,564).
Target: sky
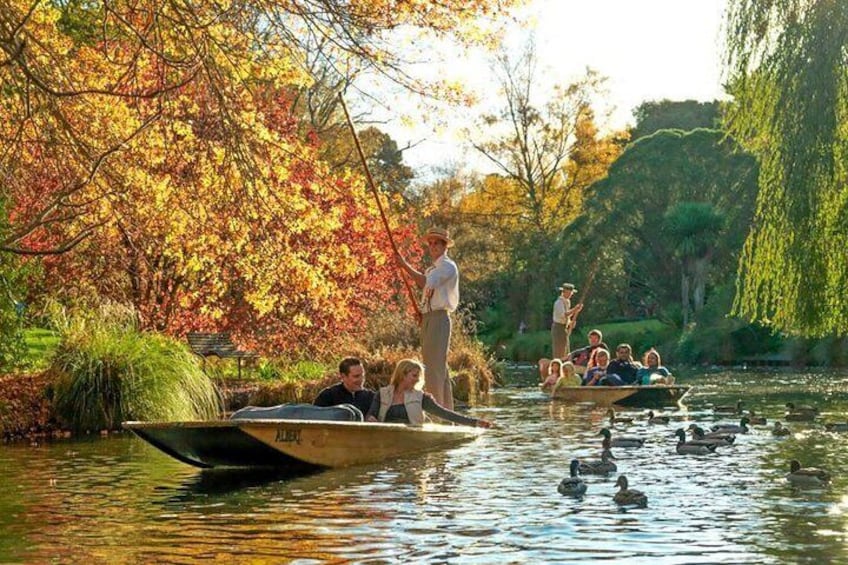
(647,49)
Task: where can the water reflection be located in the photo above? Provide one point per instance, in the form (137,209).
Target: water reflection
(491,500)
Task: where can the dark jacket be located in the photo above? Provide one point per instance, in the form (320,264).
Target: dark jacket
(338,394)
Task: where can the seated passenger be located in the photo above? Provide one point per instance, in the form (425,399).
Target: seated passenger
(569,377)
(623,365)
(403,402)
(585,357)
(554,373)
(652,371)
(596,374)
(350,390)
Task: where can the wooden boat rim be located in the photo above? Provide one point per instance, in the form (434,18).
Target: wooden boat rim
(428,428)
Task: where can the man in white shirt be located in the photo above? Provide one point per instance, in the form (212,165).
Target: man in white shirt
(561,327)
(440,297)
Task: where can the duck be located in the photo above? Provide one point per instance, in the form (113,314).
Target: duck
(836,426)
(792,407)
(779,430)
(572,485)
(629,497)
(799,416)
(806,476)
(621,441)
(714,438)
(742,428)
(615,419)
(657,419)
(598,467)
(736,409)
(755,419)
(697,447)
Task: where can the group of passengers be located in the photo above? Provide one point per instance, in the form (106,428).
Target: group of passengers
(597,369)
(401,401)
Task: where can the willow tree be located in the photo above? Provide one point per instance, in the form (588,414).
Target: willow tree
(787,65)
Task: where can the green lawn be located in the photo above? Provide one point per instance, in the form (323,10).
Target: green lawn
(40,346)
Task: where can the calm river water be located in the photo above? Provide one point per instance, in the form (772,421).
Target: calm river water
(118,500)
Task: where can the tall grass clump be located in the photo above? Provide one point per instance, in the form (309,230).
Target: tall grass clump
(109,371)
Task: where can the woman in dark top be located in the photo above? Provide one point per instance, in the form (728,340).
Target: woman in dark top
(402,402)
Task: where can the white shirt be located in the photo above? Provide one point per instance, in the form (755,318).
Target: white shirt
(561,306)
(442,285)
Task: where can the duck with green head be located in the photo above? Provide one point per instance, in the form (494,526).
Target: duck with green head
(602,466)
(572,485)
(713,438)
(742,428)
(621,441)
(695,447)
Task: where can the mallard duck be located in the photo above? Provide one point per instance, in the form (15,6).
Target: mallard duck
(697,447)
(801,408)
(806,476)
(836,426)
(572,485)
(598,467)
(799,416)
(736,409)
(629,497)
(779,430)
(657,419)
(714,438)
(614,419)
(755,419)
(622,441)
(742,428)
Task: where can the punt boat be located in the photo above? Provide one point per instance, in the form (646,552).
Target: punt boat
(297,445)
(647,396)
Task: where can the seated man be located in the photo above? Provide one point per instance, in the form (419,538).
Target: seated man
(349,390)
(584,358)
(623,365)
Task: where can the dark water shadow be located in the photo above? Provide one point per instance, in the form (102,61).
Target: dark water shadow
(224,481)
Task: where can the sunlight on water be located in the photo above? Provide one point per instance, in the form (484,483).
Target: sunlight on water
(493,500)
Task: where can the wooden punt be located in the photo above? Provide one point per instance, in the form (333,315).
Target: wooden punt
(298,445)
(649,396)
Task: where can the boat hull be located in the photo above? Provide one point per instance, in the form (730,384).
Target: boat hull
(653,396)
(294,444)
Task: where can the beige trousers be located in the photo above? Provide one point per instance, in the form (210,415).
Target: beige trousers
(435,340)
(559,337)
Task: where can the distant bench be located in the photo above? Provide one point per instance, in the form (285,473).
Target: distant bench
(219,345)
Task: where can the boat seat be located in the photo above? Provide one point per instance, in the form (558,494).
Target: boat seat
(340,413)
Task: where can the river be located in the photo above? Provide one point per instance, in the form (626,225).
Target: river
(118,500)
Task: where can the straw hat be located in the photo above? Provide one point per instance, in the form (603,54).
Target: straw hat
(568,286)
(438,233)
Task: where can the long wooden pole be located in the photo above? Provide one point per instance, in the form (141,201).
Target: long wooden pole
(373,185)
(584,293)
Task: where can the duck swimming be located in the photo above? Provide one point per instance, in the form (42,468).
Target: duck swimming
(736,409)
(836,426)
(629,497)
(697,447)
(598,467)
(572,485)
(756,419)
(806,476)
(657,419)
(803,416)
(792,407)
(779,430)
(714,438)
(614,419)
(621,441)
(742,428)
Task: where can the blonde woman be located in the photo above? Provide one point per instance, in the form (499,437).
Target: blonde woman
(403,401)
(569,377)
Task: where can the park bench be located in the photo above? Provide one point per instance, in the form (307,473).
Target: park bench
(219,345)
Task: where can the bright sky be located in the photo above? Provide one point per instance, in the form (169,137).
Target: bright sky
(648,49)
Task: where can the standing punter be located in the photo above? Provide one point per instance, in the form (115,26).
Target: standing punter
(440,297)
(562,321)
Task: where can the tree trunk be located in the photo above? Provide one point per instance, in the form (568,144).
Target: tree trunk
(700,269)
(684,295)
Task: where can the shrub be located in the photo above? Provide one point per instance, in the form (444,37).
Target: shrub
(110,372)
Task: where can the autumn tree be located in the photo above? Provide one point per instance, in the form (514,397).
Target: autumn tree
(787,73)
